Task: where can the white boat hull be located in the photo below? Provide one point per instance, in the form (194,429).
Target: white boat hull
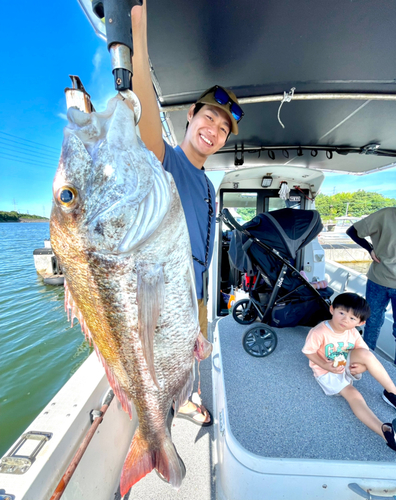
(67,418)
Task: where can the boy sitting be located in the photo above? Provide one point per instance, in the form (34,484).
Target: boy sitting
(338,356)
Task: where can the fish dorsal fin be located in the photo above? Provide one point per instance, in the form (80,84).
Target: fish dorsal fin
(150,297)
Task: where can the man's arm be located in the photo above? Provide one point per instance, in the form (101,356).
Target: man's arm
(352,233)
(150,122)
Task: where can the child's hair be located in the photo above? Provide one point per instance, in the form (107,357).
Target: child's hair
(353,301)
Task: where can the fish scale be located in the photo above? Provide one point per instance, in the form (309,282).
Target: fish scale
(119,232)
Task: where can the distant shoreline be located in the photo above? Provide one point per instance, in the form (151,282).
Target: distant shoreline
(22,221)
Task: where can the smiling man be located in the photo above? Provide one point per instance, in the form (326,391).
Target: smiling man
(209,123)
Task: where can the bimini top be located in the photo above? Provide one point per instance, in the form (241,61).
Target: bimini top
(316,80)
(286,230)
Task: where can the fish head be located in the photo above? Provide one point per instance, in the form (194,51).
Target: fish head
(109,193)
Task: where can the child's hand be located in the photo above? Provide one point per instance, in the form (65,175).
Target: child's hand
(337,369)
(356,368)
(330,367)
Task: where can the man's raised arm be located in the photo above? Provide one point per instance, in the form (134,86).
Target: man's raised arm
(150,122)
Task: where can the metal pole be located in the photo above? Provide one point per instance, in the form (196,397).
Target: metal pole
(81,450)
(298,97)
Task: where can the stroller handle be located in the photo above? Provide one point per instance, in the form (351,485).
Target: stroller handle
(229,220)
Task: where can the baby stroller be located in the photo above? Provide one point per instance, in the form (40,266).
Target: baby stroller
(265,249)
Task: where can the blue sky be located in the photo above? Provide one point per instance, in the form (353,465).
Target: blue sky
(42,44)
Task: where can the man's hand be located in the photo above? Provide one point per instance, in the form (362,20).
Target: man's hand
(374,257)
(139,16)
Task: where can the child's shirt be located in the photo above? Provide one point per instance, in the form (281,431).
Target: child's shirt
(328,344)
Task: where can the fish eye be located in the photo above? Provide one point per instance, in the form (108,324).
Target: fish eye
(66,196)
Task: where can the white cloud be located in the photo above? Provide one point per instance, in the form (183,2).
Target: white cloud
(62,115)
(98,58)
(101,62)
(101,85)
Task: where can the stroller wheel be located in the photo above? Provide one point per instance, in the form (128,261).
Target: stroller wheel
(244,312)
(259,341)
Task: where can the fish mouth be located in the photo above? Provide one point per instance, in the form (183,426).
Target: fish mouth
(124,191)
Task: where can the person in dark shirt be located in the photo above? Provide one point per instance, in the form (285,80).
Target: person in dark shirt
(209,123)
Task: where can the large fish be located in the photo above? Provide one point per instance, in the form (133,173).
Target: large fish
(119,232)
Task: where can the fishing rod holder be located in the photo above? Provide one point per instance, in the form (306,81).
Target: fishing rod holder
(117,17)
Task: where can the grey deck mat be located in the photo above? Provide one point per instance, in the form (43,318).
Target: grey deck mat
(277,409)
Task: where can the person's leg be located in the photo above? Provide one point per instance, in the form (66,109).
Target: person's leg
(194,412)
(370,363)
(378,299)
(203,317)
(361,410)
(392,293)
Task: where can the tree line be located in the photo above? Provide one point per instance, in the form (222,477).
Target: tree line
(354,204)
(18,217)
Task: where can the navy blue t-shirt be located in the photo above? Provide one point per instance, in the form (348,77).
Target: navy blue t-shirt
(193,191)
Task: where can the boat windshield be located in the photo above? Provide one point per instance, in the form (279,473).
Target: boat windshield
(242,206)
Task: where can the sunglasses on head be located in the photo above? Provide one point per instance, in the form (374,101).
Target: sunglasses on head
(221,97)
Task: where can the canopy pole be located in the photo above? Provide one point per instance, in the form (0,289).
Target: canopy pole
(298,97)
(98,417)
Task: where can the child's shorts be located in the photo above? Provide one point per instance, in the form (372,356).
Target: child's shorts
(333,383)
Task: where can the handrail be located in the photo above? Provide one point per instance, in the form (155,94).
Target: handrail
(97,419)
(322,96)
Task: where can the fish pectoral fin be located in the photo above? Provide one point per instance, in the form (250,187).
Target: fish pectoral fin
(150,297)
(141,460)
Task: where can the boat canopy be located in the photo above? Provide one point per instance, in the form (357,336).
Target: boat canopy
(316,79)
(264,50)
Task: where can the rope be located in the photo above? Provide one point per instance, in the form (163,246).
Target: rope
(287,97)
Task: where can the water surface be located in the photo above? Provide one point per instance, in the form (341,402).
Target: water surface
(38,348)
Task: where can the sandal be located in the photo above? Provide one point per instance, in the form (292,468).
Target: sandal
(190,416)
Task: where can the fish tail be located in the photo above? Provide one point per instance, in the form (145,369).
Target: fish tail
(141,460)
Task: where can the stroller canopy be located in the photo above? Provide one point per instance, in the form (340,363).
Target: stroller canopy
(286,230)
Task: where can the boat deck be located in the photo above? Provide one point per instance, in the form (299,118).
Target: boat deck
(277,409)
